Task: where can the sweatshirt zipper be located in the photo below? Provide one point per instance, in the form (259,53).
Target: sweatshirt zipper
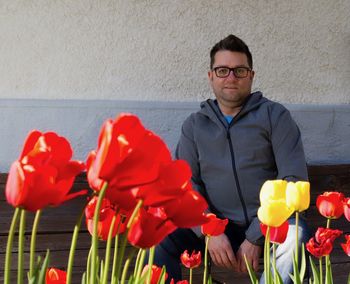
(236,178)
(228,136)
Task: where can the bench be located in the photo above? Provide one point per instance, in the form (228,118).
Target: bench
(56,225)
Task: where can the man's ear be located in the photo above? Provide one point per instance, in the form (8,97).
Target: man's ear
(210,75)
(252,74)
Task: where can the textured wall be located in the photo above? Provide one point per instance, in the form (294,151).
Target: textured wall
(158,49)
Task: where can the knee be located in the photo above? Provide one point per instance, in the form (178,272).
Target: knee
(303,231)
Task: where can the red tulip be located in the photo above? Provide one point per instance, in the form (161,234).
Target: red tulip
(179,282)
(346,203)
(150,228)
(155,274)
(128,155)
(346,245)
(323,234)
(330,204)
(105,219)
(187,210)
(43,174)
(319,249)
(277,234)
(191,261)
(55,276)
(172,181)
(215,226)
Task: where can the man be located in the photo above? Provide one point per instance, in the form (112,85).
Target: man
(233,145)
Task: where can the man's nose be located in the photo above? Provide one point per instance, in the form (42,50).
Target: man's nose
(231,76)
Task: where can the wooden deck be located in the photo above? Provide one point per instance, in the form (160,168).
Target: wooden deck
(56,225)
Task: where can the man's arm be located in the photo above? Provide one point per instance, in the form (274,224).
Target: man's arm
(291,165)
(186,150)
(287,147)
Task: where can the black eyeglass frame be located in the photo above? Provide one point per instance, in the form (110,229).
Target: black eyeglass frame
(234,70)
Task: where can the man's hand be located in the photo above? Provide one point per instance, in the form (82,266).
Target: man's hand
(252,253)
(221,252)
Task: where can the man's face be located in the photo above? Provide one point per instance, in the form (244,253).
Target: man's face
(231,91)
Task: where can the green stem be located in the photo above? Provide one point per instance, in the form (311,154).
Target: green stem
(33,243)
(94,244)
(205,276)
(327,256)
(88,266)
(115,254)
(11,234)
(321,270)
(297,238)
(126,266)
(134,213)
(267,256)
(125,239)
(140,266)
(121,255)
(150,264)
(137,262)
(108,251)
(191,275)
(274,262)
(73,246)
(22,227)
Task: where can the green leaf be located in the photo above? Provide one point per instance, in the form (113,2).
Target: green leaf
(131,279)
(315,272)
(279,278)
(44,266)
(210,281)
(83,278)
(161,279)
(303,263)
(349,279)
(329,277)
(296,275)
(251,272)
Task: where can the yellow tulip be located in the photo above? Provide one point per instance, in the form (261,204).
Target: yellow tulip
(298,195)
(274,213)
(273,190)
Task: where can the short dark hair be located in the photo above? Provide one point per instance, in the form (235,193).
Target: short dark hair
(231,43)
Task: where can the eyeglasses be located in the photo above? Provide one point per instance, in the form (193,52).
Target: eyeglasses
(238,72)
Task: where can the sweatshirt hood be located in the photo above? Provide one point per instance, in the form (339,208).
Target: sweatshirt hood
(210,107)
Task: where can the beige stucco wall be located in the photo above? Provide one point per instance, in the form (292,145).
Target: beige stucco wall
(158,50)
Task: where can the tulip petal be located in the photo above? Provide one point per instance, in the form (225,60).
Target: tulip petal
(273,189)
(274,213)
(298,195)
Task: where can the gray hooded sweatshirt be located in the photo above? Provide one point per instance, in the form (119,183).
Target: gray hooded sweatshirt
(230,162)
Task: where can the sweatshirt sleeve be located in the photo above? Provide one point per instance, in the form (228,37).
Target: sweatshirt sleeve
(253,233)
(287,147)
(289,157)
(186,150)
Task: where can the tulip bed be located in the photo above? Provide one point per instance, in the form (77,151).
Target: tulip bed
(56,226)
(149,201)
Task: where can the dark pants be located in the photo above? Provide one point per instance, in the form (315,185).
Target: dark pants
(168,252)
